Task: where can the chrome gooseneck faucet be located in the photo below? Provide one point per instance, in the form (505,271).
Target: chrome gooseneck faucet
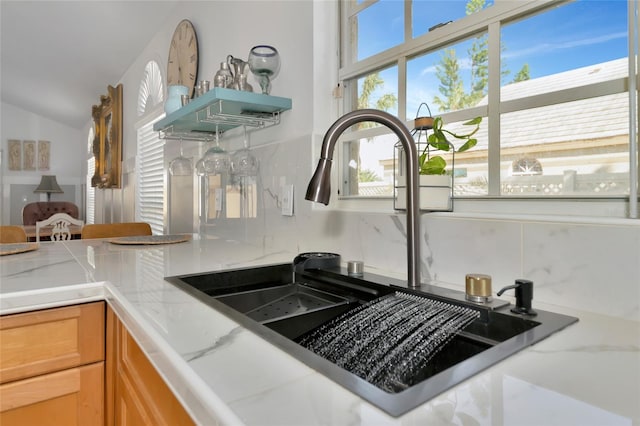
(319,189)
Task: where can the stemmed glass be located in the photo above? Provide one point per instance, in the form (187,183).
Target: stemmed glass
(216,160)
(243,163)
(181,165)
(264,63)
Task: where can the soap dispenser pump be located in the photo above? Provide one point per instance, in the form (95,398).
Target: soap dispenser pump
(524,296)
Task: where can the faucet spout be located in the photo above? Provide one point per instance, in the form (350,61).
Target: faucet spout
(319,189)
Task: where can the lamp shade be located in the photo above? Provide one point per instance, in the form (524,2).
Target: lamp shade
(49,184)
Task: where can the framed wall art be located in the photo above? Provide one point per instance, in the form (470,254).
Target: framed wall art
(29,155)
(107,143)
(15,154)
(44,155)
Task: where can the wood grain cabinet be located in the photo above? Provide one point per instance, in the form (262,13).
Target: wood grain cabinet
(78,365)
(52,366)
(136,393)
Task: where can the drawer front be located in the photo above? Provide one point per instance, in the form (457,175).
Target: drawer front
(68,397)
(50,340)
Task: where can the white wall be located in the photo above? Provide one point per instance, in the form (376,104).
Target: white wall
(67,161)
(593,266)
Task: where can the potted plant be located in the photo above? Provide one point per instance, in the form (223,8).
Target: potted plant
(435,164)
(435,182)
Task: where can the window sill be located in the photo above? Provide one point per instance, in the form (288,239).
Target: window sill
(601,211)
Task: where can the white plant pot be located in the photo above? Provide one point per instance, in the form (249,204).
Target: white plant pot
(435,192)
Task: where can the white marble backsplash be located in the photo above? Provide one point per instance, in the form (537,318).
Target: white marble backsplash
(588,266)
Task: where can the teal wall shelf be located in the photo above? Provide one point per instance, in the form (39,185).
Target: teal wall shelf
(220,110)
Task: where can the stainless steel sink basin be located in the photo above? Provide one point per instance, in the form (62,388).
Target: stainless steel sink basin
(289,309)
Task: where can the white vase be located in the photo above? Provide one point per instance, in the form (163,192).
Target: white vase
(435,193)
(174,102)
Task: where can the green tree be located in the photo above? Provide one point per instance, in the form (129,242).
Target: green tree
(371,83)
(522,75)
(368,175)
(479,54)
(451,85)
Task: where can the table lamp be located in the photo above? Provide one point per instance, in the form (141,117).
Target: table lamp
(49,184)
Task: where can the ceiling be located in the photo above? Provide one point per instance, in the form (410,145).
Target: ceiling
(58,57)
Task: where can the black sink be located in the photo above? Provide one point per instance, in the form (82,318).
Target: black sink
(287,309)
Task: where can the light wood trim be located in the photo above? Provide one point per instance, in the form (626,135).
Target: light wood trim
(72,396)
(50,340)
(131,409)
(110,367)
(140,388)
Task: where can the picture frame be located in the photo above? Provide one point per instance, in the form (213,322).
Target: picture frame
(15,154)
(107,143)
(29,155)
(44,155)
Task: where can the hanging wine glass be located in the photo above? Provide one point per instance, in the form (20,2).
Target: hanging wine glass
(264,63)
(216,159)
(200,171)
(243,163)
(181,165)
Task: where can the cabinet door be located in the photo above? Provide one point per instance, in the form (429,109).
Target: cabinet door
(50,340)
(69,397)
(139,394)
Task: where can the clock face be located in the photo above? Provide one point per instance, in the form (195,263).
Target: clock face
(182,66)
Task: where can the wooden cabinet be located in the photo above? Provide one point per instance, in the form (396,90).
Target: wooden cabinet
(52,366)
(57,367)
(136,393)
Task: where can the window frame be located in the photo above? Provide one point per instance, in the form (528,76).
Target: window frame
(489,21)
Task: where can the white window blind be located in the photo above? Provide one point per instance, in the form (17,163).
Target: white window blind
(91,192)
(150,178)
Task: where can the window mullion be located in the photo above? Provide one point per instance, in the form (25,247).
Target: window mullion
(493,109)
(402,88)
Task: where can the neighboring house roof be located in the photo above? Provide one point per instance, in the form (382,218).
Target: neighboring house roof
(578,120)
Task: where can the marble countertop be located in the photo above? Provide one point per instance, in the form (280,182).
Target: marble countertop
(587,374)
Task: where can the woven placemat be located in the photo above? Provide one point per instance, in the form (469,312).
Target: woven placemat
(16,248)
(151,239)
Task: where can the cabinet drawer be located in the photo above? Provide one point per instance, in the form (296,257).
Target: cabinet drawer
(69,397)
(50,340)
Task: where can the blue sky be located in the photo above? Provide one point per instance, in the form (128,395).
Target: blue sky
(571,36)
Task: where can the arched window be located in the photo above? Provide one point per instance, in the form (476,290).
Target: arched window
(526,166)
(151,91)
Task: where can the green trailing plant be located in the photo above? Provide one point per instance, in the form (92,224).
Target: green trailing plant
(438,139)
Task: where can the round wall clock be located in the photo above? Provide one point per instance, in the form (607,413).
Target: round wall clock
(182,66)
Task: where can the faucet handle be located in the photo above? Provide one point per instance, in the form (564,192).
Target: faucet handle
(524,296)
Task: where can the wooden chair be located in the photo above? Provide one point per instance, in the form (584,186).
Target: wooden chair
(12,234)
(60,222)
(110,230)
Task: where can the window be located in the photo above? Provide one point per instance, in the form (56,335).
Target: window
(150,177)
(549,79)
(150,151)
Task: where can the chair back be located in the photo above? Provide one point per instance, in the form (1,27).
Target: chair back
(60,223)
(12,234)
(110,230)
